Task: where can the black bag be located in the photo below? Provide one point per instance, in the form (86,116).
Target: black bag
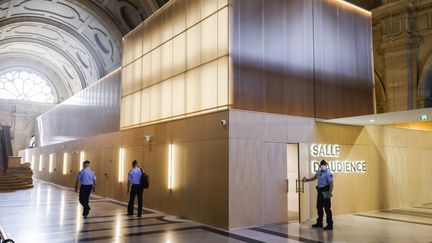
(144,181)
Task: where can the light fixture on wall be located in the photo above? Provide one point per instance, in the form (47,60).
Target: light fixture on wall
(40,162)
(81,160)
(51,163)
(32,162)
(82,156)
(26,156)
(359,9)
(170,166)
(223,123)
(148,138)
(121,165)
(65,159)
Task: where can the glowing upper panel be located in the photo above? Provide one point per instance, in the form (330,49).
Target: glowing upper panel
(23,85)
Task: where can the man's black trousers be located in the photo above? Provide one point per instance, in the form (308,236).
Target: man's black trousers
(324,203)
(137,191)
(84,197)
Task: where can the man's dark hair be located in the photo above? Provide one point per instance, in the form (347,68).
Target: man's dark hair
(86,162)
(323,162)
(134,162)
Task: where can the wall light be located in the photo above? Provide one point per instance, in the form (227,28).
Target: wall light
(148,138)
(121,165)
(40,162)
(82,156)
(81,160)
(26,156)
(355,7)
(51,162)
(170,166)
(65,160)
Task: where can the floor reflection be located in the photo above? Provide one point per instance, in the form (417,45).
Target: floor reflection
(26,219)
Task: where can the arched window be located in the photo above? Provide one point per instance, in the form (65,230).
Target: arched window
(24,85)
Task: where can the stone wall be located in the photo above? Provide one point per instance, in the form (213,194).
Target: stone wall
(403,55)
(20,116)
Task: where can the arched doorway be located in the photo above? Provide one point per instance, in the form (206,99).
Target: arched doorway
(425,84)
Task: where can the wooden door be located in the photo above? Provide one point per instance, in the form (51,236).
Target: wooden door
(304,169)
(275,187)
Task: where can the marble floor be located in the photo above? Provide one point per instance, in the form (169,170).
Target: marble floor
(48,213)
(419,214)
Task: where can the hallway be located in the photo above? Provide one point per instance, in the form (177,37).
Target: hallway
(51,213)
(48,213)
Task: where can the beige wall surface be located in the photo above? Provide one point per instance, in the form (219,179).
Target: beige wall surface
(199,159)
(397,163)
(234,177)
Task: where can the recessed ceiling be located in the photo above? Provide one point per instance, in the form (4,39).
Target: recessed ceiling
(384,118)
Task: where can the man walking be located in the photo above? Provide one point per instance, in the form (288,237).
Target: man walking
(325,190)
(134,178)
(87,179)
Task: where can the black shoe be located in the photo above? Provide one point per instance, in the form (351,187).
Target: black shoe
(328,227)
(129,214)
(317,225)
(139,215)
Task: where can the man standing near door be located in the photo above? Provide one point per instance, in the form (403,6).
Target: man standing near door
(324,191)
(134,178)
(86,177)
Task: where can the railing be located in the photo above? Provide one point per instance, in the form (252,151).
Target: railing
(3,236)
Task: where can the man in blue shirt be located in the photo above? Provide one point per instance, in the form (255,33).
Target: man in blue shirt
(325,190)
(87,178)
(134,178)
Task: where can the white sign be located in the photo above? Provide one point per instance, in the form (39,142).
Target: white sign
(334,165)
(325,150)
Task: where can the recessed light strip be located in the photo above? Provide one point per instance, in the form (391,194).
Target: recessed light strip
(355,6)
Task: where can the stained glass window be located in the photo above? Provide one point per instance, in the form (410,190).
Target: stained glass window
(23,85)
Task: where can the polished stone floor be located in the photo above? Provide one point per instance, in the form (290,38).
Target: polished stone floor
(48,213)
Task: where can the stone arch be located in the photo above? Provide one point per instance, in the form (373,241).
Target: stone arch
(425,83)
(4,121)
(380,92)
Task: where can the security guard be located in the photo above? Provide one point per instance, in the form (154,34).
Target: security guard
(134,178)
(87,179)
(325,190)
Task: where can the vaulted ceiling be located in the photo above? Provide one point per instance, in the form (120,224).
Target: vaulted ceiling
(73,43)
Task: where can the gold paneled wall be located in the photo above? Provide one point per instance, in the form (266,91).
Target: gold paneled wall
(176,64)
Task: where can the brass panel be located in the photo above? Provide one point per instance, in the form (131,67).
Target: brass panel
(343,69)
(303,58)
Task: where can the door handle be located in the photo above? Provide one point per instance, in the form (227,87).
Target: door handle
(287,185)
